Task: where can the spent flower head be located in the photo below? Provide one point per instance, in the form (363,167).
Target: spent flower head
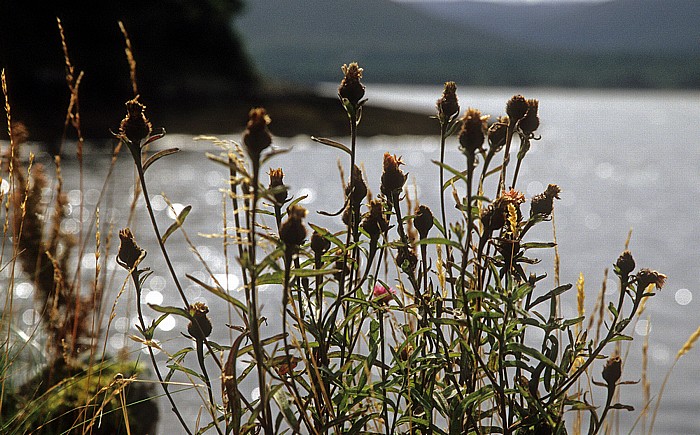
(423,221)
(135,126)
(277,183)
(447,105)
(319,244)
(647,277)
(530,122)
(374,222)
(351,88)
(292,231)
(543,203)
(612,372)
(200,326)
(393,177)
(625,263)
(473,132)
(497,133)
(516,108)
(130,254)
(256,136)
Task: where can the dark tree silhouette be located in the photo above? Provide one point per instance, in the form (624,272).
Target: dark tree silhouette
(187,53)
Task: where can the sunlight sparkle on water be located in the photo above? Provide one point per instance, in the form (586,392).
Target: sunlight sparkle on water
(229,281)
(168,324)
(154,297)
(4,186)
(175,210)
(683,296)
(24,290)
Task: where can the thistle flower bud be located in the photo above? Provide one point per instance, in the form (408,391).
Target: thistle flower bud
(625,263)
(612,372)
(516,108)
(447,105)
(497,133)
(375,223)
(351,89)
(276,182)
(646,277)
(357,183)
(129,252)
(543,203)
(256,136)
(393,177)
(319,244)
(472,134)
(292,231)
(200,325)
(135,126)
(530,122)
(423,221)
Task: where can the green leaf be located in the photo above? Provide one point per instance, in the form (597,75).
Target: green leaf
(518,347)
(171,310)
(449,168)
(284,401)
(179,220)
(220,292)
(331,143)
(151,160)
(312,272)
(621,338)
(439,241)
(552,293)
(538,245)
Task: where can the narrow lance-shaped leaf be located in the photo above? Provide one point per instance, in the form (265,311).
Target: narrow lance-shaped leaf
(162,153)
(179,220)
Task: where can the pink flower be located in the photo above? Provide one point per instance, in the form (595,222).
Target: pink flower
(383,295)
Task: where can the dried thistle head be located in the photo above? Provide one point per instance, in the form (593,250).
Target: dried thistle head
(516,108)
(647,277)
(374,222)
(135,126)
(497,133)
(530,122)
(200,326)
(493,218)
(423,221)
(543,203)
(447,105)
(473,132)
(407,260)
(256,136)
(277,183)
(20,133)
(351,89)
(130,254)
(292,231)
(612,372)
(393,177)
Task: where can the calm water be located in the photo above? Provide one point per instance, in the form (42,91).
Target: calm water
(625,160)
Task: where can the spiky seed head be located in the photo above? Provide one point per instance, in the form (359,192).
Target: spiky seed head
(543,203)
(473,132)
(646,277)
(357,183)
(135,126)
(374,222)
(516,108)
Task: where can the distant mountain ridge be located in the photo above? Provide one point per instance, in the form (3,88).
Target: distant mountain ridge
(307,42)
(649,27)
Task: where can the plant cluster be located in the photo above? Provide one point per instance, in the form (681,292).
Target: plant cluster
(379,335)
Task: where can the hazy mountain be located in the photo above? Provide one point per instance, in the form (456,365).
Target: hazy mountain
(475,43)
(650,27)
